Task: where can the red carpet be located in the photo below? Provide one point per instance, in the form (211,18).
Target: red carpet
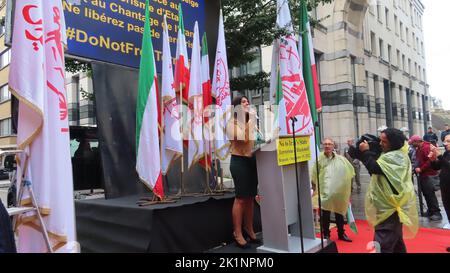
(426,241)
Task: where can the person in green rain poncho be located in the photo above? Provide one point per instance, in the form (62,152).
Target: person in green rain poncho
(390,202)
(335,178)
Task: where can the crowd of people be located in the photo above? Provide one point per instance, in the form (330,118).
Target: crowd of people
(390,200)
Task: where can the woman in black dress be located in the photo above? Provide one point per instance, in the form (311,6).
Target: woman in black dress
(241,132)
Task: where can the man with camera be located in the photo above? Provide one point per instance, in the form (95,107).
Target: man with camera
(390,200)
(335,178)
(356,165)
(427,176)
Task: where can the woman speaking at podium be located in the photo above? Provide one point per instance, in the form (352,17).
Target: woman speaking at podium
(241,132)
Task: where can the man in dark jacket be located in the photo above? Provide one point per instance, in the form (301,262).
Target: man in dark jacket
(442,162)
(427,176)
(430,136)
(390,195)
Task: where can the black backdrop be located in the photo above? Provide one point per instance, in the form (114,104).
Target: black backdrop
(115,98)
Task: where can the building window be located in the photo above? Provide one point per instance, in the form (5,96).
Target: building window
(387,18)
(396,24)
(2,30)
(5,127)
(407,36)
(401,31)
(5,95)
(423,50)
(409,66)
(389,53)
(373,43)
(5,58)
(381,49)
(379,12)
(404,63)
(398,58)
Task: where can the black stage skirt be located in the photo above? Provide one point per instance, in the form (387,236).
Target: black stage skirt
(245,176)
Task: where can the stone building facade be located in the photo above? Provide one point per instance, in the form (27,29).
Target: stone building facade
(372,68)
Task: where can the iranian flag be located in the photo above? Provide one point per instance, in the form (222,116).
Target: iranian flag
(221,92)
(309,65)
(181,64)
(36,78)
(205,162)
(294,102)
(196,148)
(172,146)
(148,162)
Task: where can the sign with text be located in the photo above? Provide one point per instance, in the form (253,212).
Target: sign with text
(111,30)
(285,150)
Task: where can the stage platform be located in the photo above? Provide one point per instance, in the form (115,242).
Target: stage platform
(191,225)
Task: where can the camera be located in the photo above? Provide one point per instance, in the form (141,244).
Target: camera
(374,146)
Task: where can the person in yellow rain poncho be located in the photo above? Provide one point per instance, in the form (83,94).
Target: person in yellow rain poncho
(335,178)
(390,203)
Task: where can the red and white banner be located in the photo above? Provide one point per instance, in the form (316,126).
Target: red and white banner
(37,79)
(221,91)
(196,145)
(172,142)
(295,100)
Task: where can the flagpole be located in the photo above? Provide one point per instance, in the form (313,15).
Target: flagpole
(161,137)
(182,139)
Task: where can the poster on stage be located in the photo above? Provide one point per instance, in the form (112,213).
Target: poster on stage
(285,150)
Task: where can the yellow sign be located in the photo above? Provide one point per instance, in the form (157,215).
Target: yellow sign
(285,150)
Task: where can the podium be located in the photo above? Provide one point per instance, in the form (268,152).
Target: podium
(279,208)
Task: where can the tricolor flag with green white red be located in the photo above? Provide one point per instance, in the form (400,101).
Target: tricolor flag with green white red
(309,65)
(205,162)
(148,161)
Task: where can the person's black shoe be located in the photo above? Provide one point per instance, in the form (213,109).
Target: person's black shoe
(243,246)
(250,239)
(344,238)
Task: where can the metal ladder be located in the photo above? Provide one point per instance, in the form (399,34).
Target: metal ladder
(19,179)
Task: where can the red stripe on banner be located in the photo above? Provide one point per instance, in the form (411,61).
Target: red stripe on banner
(64,130)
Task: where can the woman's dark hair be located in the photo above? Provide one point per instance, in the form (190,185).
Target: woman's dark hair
(236,106)
(396,138)
(237,100)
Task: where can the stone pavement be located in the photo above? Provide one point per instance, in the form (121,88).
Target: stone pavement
(358,203)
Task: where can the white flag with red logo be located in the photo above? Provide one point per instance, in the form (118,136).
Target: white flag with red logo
(196,145)
(172,143)
(294,102)
(37,79)
(221,91)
